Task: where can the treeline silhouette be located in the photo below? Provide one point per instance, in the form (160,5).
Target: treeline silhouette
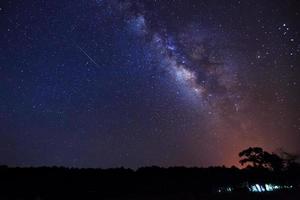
(73,183)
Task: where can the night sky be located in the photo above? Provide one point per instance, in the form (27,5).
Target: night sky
(109,83)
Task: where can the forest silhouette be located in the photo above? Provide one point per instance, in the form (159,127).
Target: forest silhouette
(157,182)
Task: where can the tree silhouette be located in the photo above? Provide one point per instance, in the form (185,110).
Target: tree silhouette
(253,155)
(261,159)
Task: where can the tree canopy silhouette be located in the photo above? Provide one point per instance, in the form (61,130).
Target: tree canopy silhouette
(258,158)
(253,155)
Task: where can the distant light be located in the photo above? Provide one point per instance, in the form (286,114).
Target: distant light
(269,187)
(253,189)
(258,188)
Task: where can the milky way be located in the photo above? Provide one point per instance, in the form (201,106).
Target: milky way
(111,83)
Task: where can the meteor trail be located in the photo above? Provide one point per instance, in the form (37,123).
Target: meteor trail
(85,53)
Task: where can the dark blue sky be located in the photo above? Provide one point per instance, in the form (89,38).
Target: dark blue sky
(131,83)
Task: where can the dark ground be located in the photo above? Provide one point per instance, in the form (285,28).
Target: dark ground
(145,183)
(284,195)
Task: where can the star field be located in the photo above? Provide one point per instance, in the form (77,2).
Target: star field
(108,83)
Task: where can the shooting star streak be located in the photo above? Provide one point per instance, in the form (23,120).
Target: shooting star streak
(89,57)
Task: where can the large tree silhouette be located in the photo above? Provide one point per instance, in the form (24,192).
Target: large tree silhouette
(252,155)
(258,158)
